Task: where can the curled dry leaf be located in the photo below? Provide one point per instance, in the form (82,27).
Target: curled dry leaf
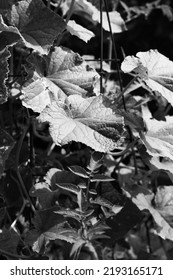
(154,69)
(88,121)
(56,76)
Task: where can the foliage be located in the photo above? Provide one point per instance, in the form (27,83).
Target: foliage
(86,147)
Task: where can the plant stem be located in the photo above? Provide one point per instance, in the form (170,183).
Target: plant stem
(126,88)
(115,51)
(48,4)
(17,168)
(11,68)
(101,46)
(130,146)
(70,11)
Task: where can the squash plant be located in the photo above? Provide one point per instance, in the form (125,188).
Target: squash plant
(80,153)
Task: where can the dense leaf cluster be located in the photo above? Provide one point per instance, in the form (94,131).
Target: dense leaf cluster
(85,160)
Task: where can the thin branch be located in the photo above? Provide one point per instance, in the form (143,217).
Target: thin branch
(130,146)
(17,167)
(70,11)
(101,46)
(115,51)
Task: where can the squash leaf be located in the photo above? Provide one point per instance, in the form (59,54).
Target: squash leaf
(154,69)
(56,76)
(91,13)
(142,197)
(38,25)
(88,121)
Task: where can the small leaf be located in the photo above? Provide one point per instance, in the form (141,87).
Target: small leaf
(79,31)
(56,76)
(82,201)
(102,201)
(116,209)
(78,170)
(57,176)
(96,161)
(45,195)
(93,191)
(39,26)
(62,231)
(89,121)
(155,69)
(77,246)
(69,187)
(101,178)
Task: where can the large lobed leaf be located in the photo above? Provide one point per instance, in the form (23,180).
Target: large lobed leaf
(158,138)
(38,25)
(155,69)
(88,121)
(56,76)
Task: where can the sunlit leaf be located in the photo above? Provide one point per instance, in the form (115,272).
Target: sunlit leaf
(38,25)
(88,121)
(61,231)
(164,202)
(95,162)
(101,178)
(56,76)
(77,245)
(159,137)
(79,31)
(90,12)
(155,69)
(69,187)
(45,195)
(78,170)
(57,176)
